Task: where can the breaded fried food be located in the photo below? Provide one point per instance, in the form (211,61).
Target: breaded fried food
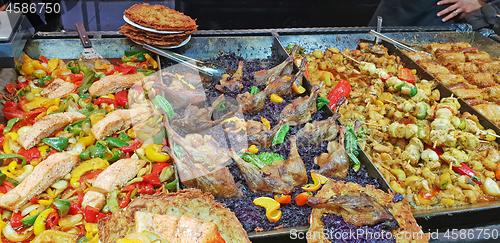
(159,17)
(142,36)
(191,202)
(331,196)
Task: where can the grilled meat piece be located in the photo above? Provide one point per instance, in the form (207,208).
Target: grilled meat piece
(191,202)
(318,131)
(119,120)
(46,126)
(477,56)
(196,119)
(50,170)
(469,93)
(262,76)
(462,67)
(189,90)
(301,109)
(451,79)
(283,85)
(115,83)
(58,89)
(434,69)
(232,83)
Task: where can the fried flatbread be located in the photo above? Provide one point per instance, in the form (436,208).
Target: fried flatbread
(159,17)
(142,36)
(408,230)
(191,202)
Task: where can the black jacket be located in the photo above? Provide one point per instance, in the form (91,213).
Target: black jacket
(408,13)
(486,16)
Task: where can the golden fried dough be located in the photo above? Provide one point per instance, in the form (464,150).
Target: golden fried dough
(159,17)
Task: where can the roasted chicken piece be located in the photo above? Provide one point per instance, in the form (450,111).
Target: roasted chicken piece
(477,56)
(469,93)
(481,80)
(318,131)
(184,90)
(433,47)
(419,56)
(445,58)
(232,83)
(203,167)
(258,134)
(300,110)
(58,89)
(335,163)
(115,83)
(278,177)
(491,111)
(283,86)
(262,76)
(251,103)
(488,66)
(196,119)
(434,69)
(451,79)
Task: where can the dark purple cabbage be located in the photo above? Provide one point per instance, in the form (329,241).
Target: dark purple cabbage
(337,230)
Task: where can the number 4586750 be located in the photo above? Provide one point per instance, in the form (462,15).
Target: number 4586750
(33,8)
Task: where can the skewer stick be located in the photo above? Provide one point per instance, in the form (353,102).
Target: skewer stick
(494,135)
(350,58)
(370,124)
(390,101)
(483,141)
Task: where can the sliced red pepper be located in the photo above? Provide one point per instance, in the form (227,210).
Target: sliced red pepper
(405,74)
(128,188)
(43,59)
(343,88)
(122,98)
(74,209)
(11,88)
(158,168)
(80,197)
(152,179)
(8,185)
(22,84)
(3,190)
(34,200)
(125,201)
(145,187)
(30,115)
(385,77)
(52,220)
(30,154)
(132,147)
(15,220)
(92,175)
(429,195)
(462,170)
(125,69)
(108,101)
(20,124)
(11,110)
(91,215)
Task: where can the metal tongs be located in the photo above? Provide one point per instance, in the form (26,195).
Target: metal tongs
(202,67)
(395,42)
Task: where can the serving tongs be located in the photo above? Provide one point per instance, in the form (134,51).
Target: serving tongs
(209,69)
(396,43)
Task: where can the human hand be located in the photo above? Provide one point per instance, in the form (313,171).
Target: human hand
(458,7)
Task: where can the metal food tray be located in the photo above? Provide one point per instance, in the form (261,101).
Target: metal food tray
(261,47)
(432,219)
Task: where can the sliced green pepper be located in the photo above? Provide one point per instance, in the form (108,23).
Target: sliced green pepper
(115,155)
(422,114)
(158,138)
(400,86)
(413,91)
(96,151)
(124,137)
(63,206)
(221,106)
(129,53)
(116,142)
(29,221)
(145,71)
(112,201)
(83,239)
(11,124)
(2,178)
(351,147)
(82,67)
(85,155)
(73,67)
(160,102)
(14,156)
(321,101)
(279,137)
(462,124)
(58,143)
(254,90)
(171,185)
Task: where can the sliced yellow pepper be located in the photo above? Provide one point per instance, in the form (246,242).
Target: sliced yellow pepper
(53,63)
(153,152)
(52,109)
(91,229)
(37,103)
(87,141)
(129,241)
(37,65)
(151,61)
(43,150)
(89,165)
(54,236)
(2,224)
(131,133)
(9,136)
(39,225)
(96,117)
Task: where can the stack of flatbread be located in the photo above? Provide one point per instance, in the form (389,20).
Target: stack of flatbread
(160,18)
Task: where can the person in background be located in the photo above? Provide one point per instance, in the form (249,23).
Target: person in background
(478,13)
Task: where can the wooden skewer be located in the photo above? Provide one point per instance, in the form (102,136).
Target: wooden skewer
(370,124)
(390,101)
(483,141)
(349,57)
(494,135)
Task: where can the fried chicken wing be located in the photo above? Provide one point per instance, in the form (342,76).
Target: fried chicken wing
(300,110)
